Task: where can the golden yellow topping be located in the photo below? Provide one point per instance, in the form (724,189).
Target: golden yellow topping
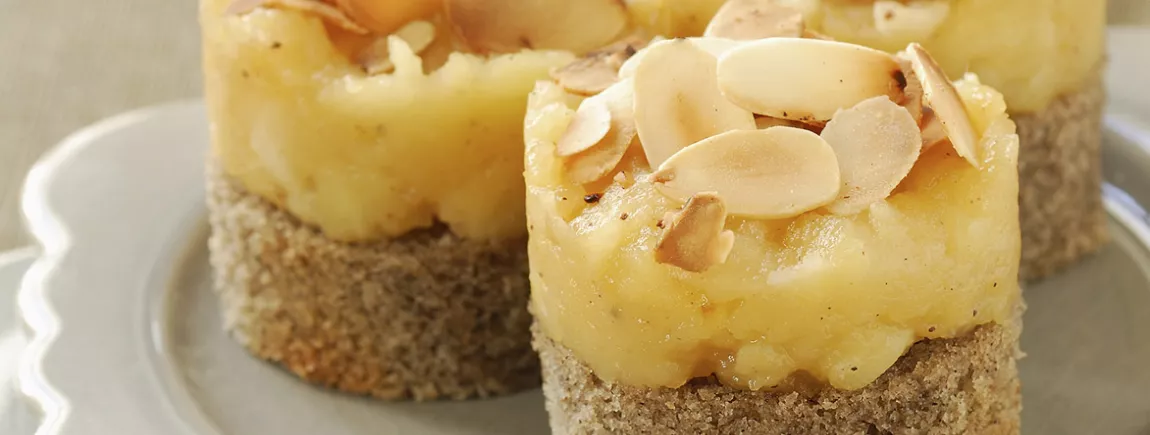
(724,260)
(369,118)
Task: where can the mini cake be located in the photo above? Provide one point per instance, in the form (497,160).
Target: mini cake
(775,236)
(1045,56)
(365,183)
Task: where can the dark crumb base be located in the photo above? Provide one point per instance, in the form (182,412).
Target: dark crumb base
(1060,181)
(967,385)
(424,316)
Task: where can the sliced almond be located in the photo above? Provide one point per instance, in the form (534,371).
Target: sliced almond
(673,110)
(601,158)
(694,239)
(877,143)
(932,132)
(911,91)
(716,46)
(912,20)
(755,19)
(628,68)
(805,79)
(383,17)
(507,26)
(591,122)
(776,173)
(597,70)
(324,11)
(939,94)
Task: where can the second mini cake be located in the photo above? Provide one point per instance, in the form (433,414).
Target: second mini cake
(365,183)
(778,236)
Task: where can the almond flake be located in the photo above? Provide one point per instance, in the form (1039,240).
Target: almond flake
(912,91)
(939,94)
(805,79)
(776,173)
(677,100)
(601,158)
(628,68)
(597,70)
(932,132)
(384,17)
(591,122)
(507,26)
(876,142)
(755,19)
(324,11)
(716,46)
(694,239)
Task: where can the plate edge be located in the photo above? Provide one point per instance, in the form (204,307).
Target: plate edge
(53,236)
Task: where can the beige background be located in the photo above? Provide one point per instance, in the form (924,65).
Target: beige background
(67,63)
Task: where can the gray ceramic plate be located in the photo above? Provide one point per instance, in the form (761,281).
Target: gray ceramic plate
(127,339)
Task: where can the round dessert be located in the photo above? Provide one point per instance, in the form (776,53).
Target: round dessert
(775,235)
(1046,57)
(365,183)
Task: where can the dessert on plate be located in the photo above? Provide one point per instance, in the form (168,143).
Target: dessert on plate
(1046,57)
(775,235)
(365,183)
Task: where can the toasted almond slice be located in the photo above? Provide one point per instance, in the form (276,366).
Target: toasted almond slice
(591,122)
(776,173)
(932,132)
(805,79)
(877,143)
(597,70)
(673,110)
(755,19)
(586,76)
(601,158)
(383,17)
(507,26)
(694,239)
(715,46)
(320,9)
(913,20)
(939,94)
(911,90)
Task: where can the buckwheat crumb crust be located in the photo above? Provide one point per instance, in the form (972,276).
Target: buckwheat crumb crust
(949,386)
(424,316)
(1060,178)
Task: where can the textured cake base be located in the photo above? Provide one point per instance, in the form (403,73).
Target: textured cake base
(1060,181)
(967,385)
(424,316)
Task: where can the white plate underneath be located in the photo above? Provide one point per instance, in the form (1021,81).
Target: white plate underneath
(127,340)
